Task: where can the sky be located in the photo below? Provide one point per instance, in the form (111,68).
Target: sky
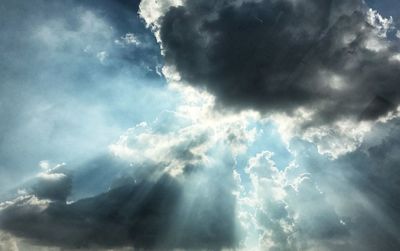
(199,125)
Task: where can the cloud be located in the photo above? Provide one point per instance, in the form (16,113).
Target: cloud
(386,7)
(333,140)
(186,189)
(288,209)
(161,214)
(277,56)
(7,242)
(176,189)
(320,203)
(129,39)
(54,184)
(200,178)
(58,101)
(93,221)
(361,187)
(189,136)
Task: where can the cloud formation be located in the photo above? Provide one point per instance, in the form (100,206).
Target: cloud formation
(144,212)
(288,210)
(54,184)
(361,186)
(329,57)
(179,192)
(316,203)
(199,178)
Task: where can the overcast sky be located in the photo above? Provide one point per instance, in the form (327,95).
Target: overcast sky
(199,125)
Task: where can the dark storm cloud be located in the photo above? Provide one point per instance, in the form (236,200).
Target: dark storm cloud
(379,105)
(281,55)
(146,214)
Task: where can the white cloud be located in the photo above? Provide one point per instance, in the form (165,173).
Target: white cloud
(152,10)
(381,24)
(128,39)
(333,140)
(31,201)
(376,40)
(286,208)
(44,164)
(51,176)
(395,57)
(102,56)
(196,128)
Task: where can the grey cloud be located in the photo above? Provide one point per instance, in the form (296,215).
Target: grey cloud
(99,221)
(281,55)
(156,215)
(54,185)
(101,173)
(379,105)
(143,207)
